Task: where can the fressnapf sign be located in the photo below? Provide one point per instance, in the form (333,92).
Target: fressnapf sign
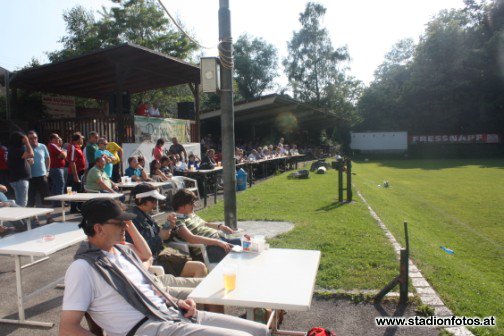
(59,106)
(454,139)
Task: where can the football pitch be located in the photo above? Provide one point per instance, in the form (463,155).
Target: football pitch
(458,204)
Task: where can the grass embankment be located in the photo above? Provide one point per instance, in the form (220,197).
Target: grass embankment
(453,203)
(355,252)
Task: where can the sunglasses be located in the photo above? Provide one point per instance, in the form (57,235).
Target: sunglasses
(120,223)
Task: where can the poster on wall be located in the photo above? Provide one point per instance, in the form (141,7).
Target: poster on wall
(145,149)
(151,129)
(59,107)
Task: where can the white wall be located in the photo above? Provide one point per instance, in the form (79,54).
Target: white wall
(379,141)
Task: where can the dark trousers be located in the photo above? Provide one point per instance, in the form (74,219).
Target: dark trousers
(38,186)
(76,186)
(116,173)
(216,253)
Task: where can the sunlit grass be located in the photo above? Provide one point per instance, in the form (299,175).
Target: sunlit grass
(355,252)
(457,204)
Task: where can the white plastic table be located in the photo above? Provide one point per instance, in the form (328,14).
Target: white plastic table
(19,213)
(31,243)
(79,197)
(134,184)
(276,279)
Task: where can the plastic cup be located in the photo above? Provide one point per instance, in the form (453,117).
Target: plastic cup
(69,190)
(229,274)
(219,164)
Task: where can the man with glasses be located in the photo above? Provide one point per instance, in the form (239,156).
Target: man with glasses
(195,230)
(182,275)
(107,280)
(38,183)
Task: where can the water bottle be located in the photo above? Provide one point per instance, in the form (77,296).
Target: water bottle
(447,250)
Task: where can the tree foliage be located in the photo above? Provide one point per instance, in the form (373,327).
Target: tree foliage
(255,66)
(136,21)
(450,82)
(312,63)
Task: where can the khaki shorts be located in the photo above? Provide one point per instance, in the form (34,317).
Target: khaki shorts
(178,287)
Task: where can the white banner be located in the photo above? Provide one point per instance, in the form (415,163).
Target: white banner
(59,106)
(145,149)
(151,129)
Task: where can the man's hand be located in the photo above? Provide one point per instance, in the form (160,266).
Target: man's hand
(3,188)
(189,306)
(165,234)
(76,179)
(172,219)
(226,246)
(226,229)
(115,186)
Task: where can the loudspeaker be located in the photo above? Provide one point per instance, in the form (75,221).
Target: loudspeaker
(185,110)
(126,103)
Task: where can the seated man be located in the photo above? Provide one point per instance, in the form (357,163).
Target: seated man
(193,229)
(97,180)
(146,197)
(107,280)
(135,170)
(16,225)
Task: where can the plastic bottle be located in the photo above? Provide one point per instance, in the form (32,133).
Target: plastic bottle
(241,180)
(447,250)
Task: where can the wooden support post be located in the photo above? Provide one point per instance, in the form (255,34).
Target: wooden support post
(349,193)
(340,181)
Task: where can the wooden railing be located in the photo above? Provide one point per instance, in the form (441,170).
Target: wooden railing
(117,128)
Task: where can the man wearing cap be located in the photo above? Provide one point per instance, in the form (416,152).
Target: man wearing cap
(107,280)
(146,198)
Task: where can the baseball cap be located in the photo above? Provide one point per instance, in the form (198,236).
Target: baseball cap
(146,190)
(100,210)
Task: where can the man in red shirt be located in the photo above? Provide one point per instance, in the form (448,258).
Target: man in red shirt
(76,166)
(57,166)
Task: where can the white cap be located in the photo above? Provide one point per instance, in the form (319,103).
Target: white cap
(153,193)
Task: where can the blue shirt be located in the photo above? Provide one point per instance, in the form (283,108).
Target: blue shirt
(130,172)
(109,166)
(40,154)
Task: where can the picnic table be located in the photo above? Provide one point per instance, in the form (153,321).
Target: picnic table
(80,197)
(39,242)
(275,279)
(19,213)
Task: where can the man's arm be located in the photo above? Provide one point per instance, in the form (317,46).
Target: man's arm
(28,148)
(70,324)
(141,247)
(47,160)
(189,237)
(221,227)
(103,186)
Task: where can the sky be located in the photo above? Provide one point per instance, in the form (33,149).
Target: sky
(369,28)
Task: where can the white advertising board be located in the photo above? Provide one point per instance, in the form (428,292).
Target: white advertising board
(380,141)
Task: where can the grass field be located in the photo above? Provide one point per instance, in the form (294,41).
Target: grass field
(355,253)
(457,204)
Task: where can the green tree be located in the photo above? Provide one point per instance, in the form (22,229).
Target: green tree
(255,66)
(313,63)
(136,21)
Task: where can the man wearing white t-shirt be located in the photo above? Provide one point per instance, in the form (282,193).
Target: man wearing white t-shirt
(108,281)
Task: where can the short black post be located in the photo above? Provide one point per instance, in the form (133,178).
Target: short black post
(404,269)
(340,181)
(349,193)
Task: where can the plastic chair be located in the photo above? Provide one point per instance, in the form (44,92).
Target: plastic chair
(181,182)
(184,247)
